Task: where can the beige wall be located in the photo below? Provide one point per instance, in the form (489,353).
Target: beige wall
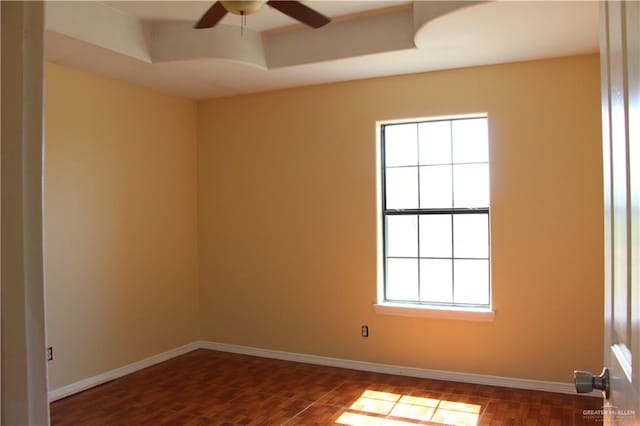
(287,220)
(120,223)
(280,195)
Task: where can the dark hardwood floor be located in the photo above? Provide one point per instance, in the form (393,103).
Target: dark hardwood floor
(216,388)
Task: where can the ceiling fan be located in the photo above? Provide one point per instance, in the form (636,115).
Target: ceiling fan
(294,9)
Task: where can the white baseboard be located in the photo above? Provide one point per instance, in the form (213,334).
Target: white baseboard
(452,376)
(90,382)
(558,387)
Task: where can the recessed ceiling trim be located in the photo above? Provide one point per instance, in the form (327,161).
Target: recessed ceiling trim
(364,36)
(342,18)
(179,42)
(426,11)
(100,25)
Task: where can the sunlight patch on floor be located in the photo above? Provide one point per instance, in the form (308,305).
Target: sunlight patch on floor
(373,407)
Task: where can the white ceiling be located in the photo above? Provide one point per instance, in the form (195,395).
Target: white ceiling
(268,18)
(152,43)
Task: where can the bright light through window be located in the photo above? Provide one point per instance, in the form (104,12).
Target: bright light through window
(435,209)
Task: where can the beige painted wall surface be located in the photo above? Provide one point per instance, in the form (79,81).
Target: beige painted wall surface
(120,223)
(287,220)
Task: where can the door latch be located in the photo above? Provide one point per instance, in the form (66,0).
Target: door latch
(586,382)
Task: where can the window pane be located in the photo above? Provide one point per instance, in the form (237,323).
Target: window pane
(471,281)
(402,236)
(435,254)
(471,235)
(435,235)
(435,187)
(435,280)
(470,140)
(402,279)
(401,145)
(435,142)
(402,188)
(471,185)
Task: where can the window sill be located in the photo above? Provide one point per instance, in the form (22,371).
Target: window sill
(449,313)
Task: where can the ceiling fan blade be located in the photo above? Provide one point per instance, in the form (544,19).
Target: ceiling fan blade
(300,12)
(211,16)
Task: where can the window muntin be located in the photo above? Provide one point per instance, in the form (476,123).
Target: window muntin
(435,210)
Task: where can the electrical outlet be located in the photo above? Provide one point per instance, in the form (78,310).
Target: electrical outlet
(365,331)
(50,353)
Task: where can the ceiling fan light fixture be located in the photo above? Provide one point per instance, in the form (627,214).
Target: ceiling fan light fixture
(242,7)
(291,8)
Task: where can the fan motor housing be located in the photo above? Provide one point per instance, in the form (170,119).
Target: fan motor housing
(242,7)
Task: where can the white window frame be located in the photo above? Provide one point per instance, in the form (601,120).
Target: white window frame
(419,309)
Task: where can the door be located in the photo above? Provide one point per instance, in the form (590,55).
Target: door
(620,65)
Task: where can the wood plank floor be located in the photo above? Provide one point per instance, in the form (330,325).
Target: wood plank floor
(207,387)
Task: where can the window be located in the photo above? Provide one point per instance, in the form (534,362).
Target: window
(435,212)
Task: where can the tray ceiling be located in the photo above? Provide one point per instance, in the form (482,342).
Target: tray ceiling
(152,43)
